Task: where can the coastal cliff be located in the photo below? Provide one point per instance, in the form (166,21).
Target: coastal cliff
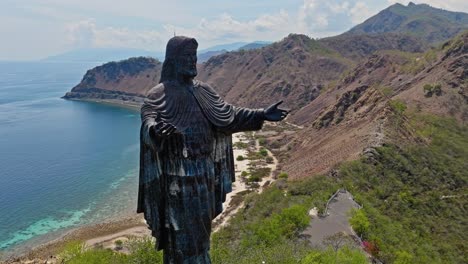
(125,81)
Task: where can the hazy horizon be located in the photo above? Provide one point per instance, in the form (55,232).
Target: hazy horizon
(36,29)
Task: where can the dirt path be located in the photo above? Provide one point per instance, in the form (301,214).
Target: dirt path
(108,241)
(239,185)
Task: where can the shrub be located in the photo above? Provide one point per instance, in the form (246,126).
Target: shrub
(283,175)
(286,224)
(254,178)
(262,141)
(359,222)
(429,90)
(437,89)
(240,145)
(259,173)
(142,251)
(269,160)
(118,244)
(263,152)
(240,158)
(398,106)
(343,255)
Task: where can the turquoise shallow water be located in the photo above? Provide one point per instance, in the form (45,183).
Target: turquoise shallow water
(62,163)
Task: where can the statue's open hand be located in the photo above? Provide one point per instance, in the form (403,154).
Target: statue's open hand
(164,129)
(273,113)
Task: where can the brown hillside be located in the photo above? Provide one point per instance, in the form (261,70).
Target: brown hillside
(295,70)
(353,117)
(359,46)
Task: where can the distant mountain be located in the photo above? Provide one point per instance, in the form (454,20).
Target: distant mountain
(428,23)
(255,45)
(227,47)
(206,54)
(102,55)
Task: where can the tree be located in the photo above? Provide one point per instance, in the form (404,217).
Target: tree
(336,241)
(359,222)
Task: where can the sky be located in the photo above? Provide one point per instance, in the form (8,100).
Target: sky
(35,29)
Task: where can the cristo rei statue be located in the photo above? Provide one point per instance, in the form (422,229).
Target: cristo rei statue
(186,157)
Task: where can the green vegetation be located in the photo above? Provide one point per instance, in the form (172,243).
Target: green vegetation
(240,158)
(261,141)
(414,209)
(405,215)
(240,145)
(344,255)
(256,174)
(359,222)
(141,251)
(283,175)
(263,152)
(385,90)
(118,244)
(267,228)
(416,62)
(269,159)
(429,90)
(398,106)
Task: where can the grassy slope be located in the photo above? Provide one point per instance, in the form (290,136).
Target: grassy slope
(415,196)
(414,199)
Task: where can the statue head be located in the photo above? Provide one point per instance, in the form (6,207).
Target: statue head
(181,59)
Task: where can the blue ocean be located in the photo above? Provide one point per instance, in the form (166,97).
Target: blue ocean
(63,163)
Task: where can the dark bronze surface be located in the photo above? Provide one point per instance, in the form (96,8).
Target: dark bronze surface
(186,157)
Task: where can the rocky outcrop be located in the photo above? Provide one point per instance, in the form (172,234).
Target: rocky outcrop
(358,113)
(126,81)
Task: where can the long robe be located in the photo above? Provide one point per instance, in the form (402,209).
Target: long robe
(184,177)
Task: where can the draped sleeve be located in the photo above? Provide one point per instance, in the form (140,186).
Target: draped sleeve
(227,118)
(151,182)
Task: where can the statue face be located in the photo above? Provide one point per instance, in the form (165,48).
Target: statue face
(187,63)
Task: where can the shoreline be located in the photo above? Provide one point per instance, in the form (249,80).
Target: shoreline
(104,233)
(112,102)
(82,233)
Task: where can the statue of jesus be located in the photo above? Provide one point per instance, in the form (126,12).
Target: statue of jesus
(186,158)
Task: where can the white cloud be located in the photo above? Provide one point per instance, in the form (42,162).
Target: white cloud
(85,34)
(312,19)
(226,28)
(82,34)
(148,24)
(360,12)
(337,8)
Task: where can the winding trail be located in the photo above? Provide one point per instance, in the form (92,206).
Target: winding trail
(239,185)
